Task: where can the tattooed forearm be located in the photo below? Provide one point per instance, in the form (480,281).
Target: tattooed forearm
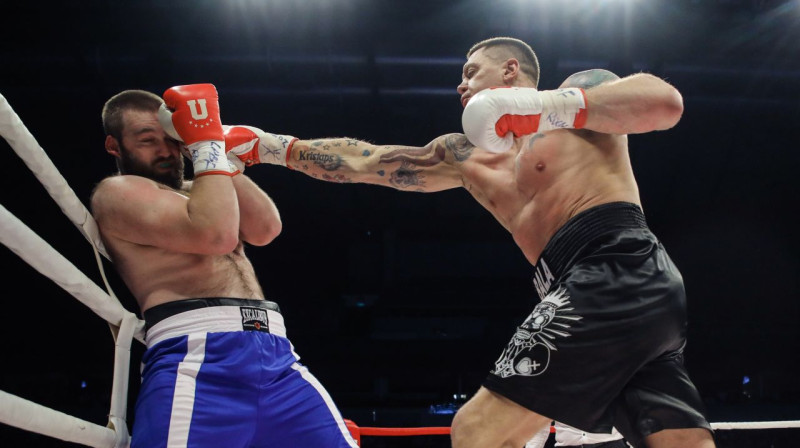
(406,176)
(336,178)
(459,146)
(328,162)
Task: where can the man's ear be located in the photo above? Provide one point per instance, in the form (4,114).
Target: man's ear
(112,146)
(511,71)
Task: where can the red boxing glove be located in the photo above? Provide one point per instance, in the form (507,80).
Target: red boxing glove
(241,142)
(252,146)
(195,113)
(191,114)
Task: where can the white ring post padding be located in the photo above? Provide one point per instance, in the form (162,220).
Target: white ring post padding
(40,255)
(757,425)
(28,149)
(16,411)
(119,388)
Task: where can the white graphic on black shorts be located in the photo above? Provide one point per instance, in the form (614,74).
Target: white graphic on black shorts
(528,352)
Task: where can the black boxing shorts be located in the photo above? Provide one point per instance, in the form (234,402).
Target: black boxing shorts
(604,347)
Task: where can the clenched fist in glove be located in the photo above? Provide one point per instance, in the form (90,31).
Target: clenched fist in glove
(190,114)
(251,145)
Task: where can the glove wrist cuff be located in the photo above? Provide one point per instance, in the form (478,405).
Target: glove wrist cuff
(208,157)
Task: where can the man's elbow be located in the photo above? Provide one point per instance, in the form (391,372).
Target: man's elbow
(675,107)
(267,233)
(272,231)
(671,109)
(220,242)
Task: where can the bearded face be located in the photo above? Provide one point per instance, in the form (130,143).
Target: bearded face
(167,170)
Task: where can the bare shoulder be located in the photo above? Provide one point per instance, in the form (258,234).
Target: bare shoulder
(115,185)
(107,188)
(589,78)
(455,145)
(119,189)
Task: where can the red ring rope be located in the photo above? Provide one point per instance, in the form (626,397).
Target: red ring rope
(429,431)
(357,431)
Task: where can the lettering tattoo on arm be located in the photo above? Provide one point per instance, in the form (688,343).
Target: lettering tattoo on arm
(328,162)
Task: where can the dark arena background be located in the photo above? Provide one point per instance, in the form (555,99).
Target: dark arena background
(400,302)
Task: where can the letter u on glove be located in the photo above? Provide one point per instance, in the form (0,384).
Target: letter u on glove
(191,114)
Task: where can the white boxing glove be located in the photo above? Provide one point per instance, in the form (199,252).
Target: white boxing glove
(494,117)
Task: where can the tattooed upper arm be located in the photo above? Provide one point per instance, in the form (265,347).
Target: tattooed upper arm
(432,154)
(427,168)
(589,78)
(459,146)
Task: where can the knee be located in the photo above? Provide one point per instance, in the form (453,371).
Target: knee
(463,425)
(685,437)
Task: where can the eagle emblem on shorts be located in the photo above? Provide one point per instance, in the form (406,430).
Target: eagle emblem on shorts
(528,352)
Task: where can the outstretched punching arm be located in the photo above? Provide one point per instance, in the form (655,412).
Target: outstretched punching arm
(259,219)
(425,169)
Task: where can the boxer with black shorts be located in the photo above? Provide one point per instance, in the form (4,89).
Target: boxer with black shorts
(603,346)
(606,286)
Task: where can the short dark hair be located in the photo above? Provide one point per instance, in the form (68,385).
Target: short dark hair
(528,62)
(141,100)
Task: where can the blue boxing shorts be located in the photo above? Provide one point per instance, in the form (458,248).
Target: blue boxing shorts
(220,372)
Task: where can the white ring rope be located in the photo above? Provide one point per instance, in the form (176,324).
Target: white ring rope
(28,149)
(757,425)
(23,241)
(35,251)
(30,416)
(37,418)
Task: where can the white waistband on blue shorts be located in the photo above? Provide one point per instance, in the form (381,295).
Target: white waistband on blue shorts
(214,319)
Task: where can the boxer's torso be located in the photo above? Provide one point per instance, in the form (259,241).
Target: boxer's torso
(155,275)
(546,179)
